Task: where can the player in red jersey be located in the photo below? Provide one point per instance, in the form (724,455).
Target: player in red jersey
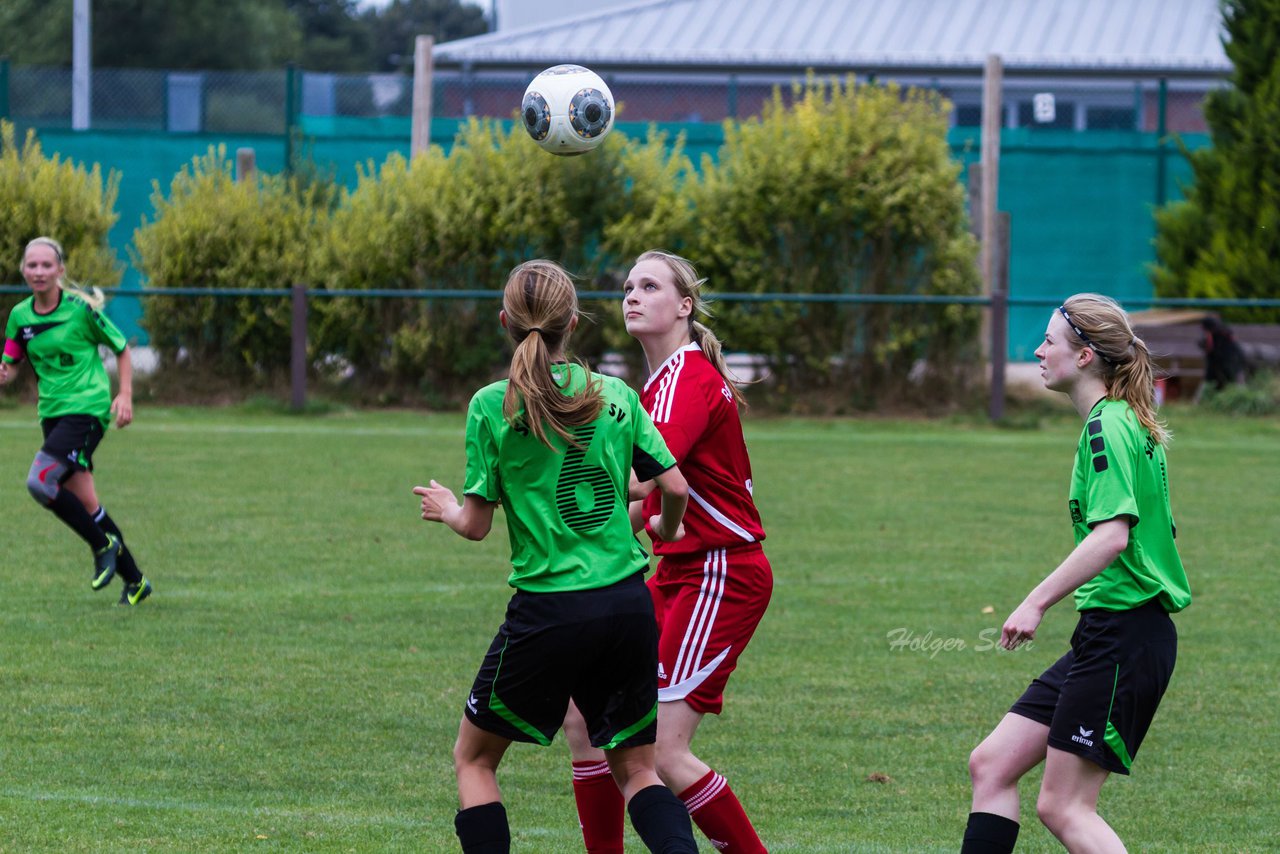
(710,588)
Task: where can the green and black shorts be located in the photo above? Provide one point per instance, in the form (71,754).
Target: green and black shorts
(596,647)
(1099,699)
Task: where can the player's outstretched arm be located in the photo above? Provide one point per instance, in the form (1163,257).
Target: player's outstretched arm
(7,373)
(471,519)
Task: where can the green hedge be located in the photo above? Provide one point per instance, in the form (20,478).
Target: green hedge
(848,190)
(56,198)
(836,188)
(463,221)
(211,231)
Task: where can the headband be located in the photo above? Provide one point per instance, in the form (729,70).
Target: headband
(1062,309)
(44,241)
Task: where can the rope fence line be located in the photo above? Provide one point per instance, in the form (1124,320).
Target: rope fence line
(817,298)
(997,305)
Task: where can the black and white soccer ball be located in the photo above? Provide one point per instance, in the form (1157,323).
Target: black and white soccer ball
(567,109)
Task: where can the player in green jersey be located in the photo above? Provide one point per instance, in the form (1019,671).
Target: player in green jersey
(1086,715)
(555,444)
(58,330)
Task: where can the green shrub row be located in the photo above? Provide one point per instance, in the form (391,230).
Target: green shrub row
(836,189)
(49,196)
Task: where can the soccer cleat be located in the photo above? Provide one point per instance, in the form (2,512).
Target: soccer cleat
(132,594)
(104,563)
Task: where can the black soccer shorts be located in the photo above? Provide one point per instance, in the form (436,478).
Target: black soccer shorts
(72,438)
(1099,699)
(596,647)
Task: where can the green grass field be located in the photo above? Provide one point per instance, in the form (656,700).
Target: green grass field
(296,681)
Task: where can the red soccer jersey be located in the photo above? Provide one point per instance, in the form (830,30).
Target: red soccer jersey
(693,408)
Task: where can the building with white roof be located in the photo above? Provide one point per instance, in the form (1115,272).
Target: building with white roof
(1106,56)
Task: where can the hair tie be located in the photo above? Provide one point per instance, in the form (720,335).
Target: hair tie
(537,329)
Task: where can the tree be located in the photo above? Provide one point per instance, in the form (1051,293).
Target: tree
(235,35)
(395,26)
(203,34)
(1223,239)
(334,35)
(35,33)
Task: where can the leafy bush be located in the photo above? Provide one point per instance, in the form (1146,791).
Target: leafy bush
(840,189)
(214,232)
(56,198)
(462,221)
(836,189)
(1259,396)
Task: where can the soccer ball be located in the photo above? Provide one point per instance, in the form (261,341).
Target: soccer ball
(567,109)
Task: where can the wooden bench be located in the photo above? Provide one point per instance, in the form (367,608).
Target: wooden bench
(1174,341)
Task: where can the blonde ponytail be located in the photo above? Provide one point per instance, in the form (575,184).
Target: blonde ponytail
(714,351)
(540,303)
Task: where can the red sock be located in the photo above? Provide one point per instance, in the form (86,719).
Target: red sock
(600,807)
(715,809)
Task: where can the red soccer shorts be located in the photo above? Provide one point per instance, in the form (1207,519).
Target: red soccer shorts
(708,606)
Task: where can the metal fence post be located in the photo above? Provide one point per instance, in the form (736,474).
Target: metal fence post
(4,87)
(999,316)
(298,349)
(290,114)
(1162,130)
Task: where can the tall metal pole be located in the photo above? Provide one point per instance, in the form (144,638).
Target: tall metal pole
(1162,130)
(298,348)
(999,317)
(81,36)
(290,115)
(4,87)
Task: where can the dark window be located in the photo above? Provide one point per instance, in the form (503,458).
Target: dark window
(1110,118)
(969,115)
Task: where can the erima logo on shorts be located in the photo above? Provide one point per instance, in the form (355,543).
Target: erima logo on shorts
(1083,737)
(472,704)
(662,671)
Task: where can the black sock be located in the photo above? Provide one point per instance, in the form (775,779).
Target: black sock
(988,833)
(71,511)
(125,564)
(483,829)
(662,821)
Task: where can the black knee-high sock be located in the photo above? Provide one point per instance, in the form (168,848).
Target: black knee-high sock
(483,829)
(988,833)
(662,821)
(125,564)
(71,511)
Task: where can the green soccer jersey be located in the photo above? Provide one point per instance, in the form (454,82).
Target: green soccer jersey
(62,347)
(566,507)
(1120,470)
